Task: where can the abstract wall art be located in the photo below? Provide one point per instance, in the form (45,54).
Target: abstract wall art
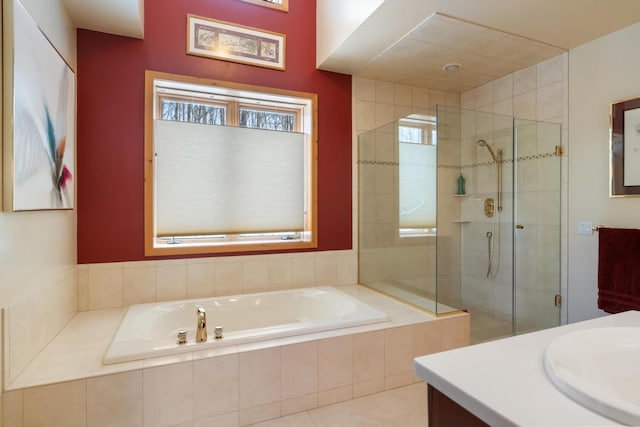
(39,118)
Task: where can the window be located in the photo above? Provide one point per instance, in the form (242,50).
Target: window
(417,176)
(229,167)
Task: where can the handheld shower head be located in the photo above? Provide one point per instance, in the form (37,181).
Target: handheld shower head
(483,143)
(498,159)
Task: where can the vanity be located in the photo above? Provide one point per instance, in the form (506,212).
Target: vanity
(506,383)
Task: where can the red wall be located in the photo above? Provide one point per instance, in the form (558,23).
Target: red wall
(110,137)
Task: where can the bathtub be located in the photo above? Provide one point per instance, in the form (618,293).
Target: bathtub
(150,330)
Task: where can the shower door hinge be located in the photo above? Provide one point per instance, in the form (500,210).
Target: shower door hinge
(559,150)
(558,300)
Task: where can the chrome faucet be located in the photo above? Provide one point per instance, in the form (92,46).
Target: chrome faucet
(201,327)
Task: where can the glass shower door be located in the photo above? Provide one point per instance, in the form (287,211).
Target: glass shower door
(536,258)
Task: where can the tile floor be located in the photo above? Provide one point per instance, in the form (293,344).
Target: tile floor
(404,406)
(486,327)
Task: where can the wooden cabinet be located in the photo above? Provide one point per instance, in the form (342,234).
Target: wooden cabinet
(444,412)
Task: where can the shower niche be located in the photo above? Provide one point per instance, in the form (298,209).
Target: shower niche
(493,250)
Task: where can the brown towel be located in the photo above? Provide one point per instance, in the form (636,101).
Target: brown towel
(618,269)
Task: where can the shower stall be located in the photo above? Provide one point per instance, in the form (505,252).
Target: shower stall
(460,210)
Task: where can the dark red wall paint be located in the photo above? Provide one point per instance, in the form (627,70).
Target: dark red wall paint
(111,117)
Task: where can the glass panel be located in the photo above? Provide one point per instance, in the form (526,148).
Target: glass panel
(192,112)
(486,233)
(537,233)
(270,120)
(403,267)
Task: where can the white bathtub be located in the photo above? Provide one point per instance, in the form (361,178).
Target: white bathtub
(150,330)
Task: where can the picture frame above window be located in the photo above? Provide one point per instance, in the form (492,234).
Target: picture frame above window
(282,5)
(216,39)
(625,148)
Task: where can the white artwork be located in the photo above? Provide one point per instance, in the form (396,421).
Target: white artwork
(44,120)
(632,147)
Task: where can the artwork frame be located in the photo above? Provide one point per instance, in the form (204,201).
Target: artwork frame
(223,40)
(625,148)
(282,5)
(38,92)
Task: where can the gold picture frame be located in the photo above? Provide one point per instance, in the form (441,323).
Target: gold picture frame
(282,5)
(236,43)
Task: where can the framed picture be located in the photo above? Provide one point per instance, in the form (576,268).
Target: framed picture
(39,110)
(282,5)
(625,148)
(230,42)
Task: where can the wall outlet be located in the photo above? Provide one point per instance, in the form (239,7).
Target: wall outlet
(585,227)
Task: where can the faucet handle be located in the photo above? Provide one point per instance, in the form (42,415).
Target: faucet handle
(217,332)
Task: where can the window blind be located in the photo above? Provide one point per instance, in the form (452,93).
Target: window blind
(417,176)
(223,180)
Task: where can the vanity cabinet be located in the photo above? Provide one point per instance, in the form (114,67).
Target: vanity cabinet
(444,412)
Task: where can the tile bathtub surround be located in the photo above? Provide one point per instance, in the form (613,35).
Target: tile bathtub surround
(116,285)
(246,384)
(249,387)
(34,320)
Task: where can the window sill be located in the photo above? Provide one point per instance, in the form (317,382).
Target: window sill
(166,249)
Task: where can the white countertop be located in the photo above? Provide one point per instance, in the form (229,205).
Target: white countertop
(504,382)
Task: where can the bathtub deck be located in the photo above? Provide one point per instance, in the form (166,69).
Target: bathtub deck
(235,385)
(77,351)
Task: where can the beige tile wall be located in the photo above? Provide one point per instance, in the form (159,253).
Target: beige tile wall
(114,285)
(31,322)
(240,388)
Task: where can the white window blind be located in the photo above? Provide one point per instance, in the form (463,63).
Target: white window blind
(223,180)
(417,176)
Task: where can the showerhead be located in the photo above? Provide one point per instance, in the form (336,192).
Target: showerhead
(483,143)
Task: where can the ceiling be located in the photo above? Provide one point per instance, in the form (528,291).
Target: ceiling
(409,41)
(483,55)
(121,17)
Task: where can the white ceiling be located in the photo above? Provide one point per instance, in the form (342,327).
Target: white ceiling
(121,17)
(403,41)
(410,40)
(482,53)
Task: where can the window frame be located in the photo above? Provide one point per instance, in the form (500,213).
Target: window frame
(212,245)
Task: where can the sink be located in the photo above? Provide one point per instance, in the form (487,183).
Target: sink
(600,369)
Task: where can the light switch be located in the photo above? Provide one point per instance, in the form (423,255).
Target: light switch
(585,227)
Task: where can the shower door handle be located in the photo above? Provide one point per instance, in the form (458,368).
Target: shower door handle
(489,252)
(520,226)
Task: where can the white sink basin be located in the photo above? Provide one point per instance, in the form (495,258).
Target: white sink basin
(599,368)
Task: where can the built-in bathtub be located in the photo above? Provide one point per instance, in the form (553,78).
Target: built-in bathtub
(150,330)
(240,384)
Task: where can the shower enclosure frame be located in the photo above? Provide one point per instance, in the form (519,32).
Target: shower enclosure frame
(455,286)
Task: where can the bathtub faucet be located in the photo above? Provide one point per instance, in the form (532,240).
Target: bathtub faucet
(201,327)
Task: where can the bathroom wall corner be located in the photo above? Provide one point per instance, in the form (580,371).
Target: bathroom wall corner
(50,308)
